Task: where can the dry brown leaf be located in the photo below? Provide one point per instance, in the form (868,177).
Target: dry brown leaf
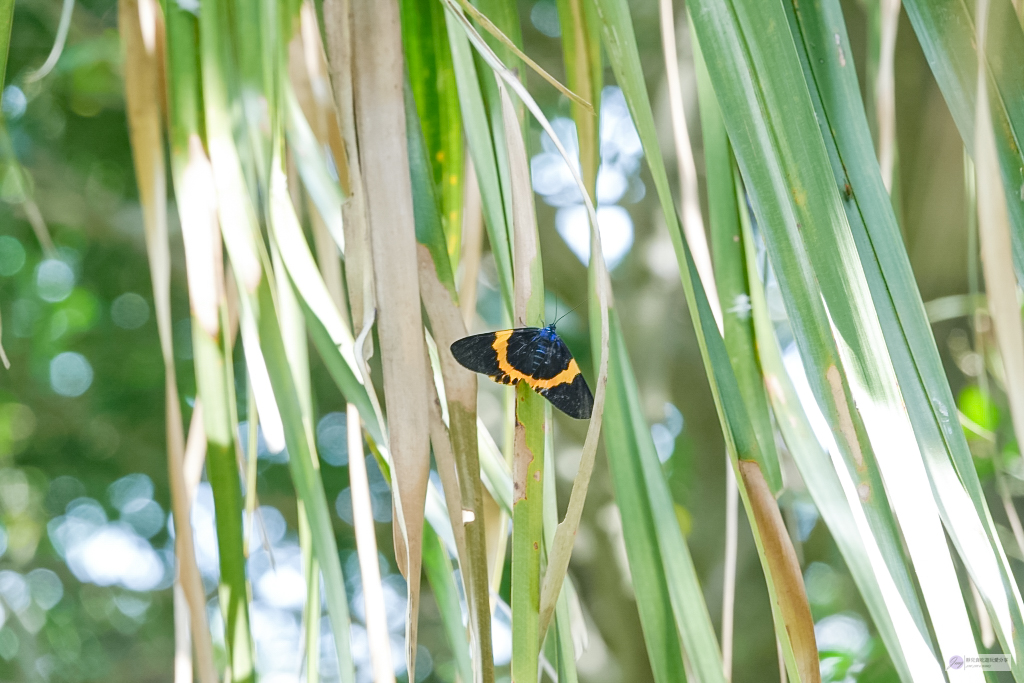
(378,74)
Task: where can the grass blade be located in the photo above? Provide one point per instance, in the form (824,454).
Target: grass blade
(192,174)
(897,616)
(786,172)
(260,315)
(885,91)
(505,17)
(581,50)
(628,446)
(692,220)
(561,645)
(222,471)
(789,603)
(305,475)
(21,191)
(275,323)
(311,611)
(472,245)
(239,228)
(514,49)
(327,328)
(237,216)
(429,227)
(67,7)
(1000,286)
(730,270)
(294,336)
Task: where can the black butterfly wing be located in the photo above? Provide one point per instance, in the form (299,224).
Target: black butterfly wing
(488,353)
(477,353)
(535,356)
(559,380)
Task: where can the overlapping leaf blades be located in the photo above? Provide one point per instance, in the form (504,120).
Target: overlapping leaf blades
(793,114)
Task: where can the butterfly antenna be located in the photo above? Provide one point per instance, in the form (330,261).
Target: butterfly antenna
(571,309)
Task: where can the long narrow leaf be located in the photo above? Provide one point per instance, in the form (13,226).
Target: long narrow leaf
(916,361)
(455,448)
(839,503)
(786,172)
(624,439)
(731,275)
(793,624)
(379,99)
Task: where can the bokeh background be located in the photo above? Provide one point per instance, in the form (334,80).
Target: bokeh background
(85,538)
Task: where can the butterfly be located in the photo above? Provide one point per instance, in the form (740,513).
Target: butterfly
(535,355)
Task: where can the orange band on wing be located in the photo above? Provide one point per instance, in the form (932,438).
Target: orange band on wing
(500,346)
